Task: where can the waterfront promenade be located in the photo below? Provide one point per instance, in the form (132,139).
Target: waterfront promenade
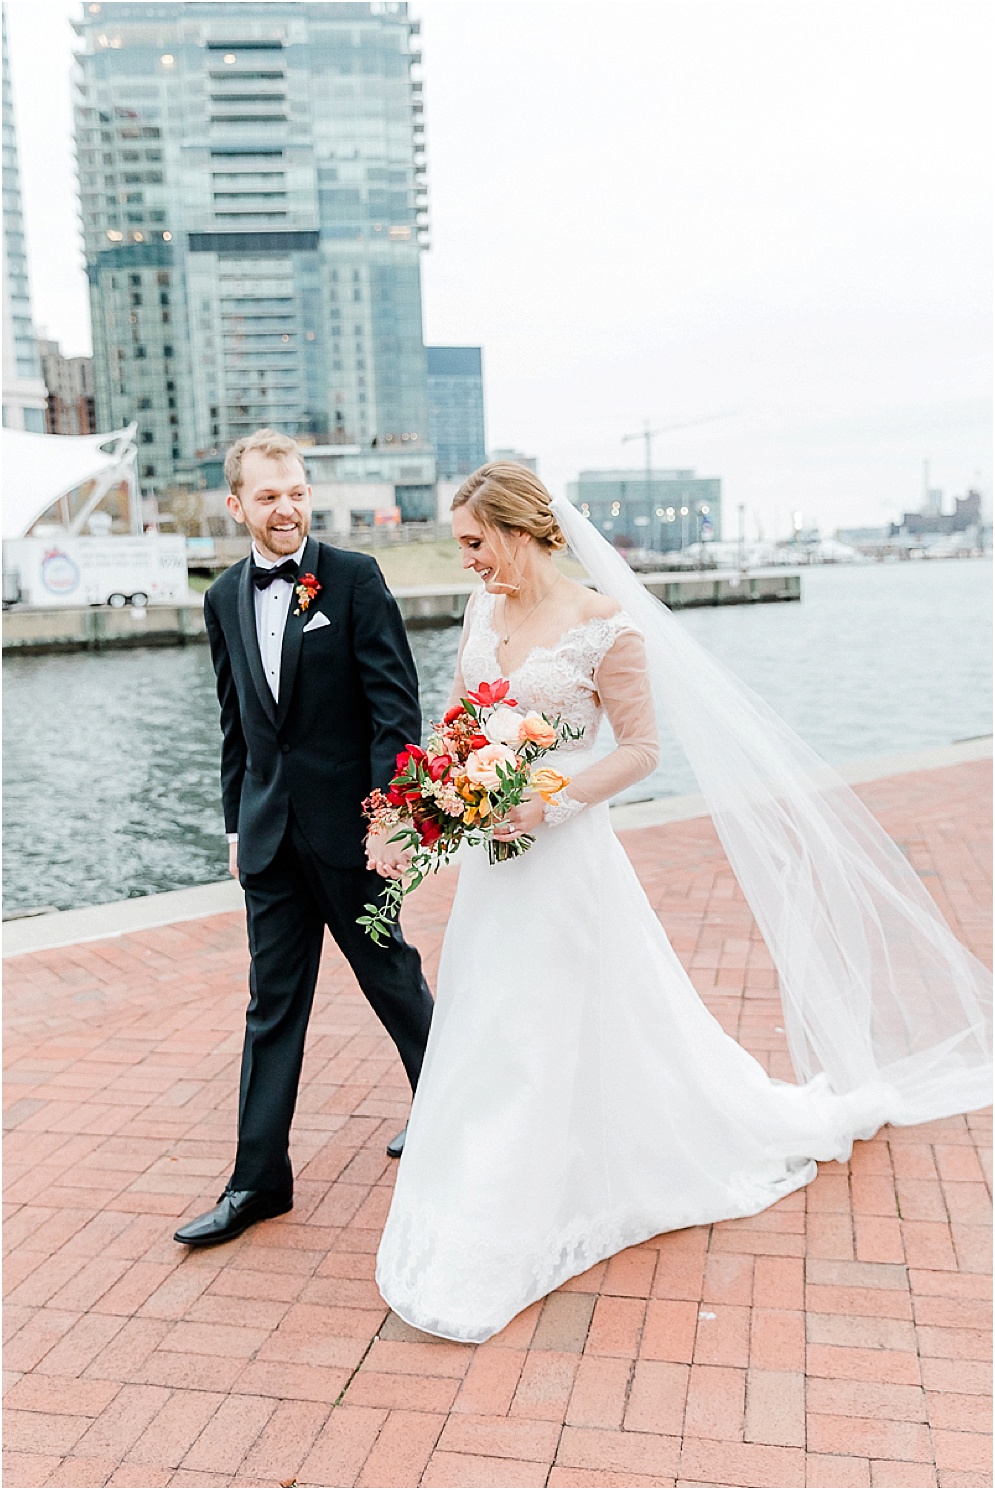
(841,1338)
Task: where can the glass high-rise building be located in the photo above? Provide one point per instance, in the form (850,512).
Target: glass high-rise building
(252,182)
(23,389)
(456,409)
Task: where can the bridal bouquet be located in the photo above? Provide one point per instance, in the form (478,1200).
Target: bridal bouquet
(480,761)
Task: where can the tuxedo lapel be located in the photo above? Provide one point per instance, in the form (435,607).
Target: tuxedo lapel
(247,625)
(293,635)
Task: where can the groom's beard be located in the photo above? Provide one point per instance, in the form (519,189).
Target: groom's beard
(281,543)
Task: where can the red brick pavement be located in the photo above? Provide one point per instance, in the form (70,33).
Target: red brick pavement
(841,1338)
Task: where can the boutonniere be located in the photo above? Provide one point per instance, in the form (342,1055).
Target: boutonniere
(306,588)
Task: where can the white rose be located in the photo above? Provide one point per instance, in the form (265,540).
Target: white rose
(504,726)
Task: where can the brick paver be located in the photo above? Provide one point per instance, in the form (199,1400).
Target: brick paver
(842,1338)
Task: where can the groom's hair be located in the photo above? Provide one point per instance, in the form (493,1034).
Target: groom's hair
(268,442)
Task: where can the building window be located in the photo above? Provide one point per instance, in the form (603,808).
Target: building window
(148,470)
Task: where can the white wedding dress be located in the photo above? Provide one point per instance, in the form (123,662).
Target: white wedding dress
(577,1097)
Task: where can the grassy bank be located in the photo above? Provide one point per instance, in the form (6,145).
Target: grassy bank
(416,564)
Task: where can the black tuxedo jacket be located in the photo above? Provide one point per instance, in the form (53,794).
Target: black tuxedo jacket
(348,703)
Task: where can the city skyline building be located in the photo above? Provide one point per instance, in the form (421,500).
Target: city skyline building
(670,511)
(456,409)
(931,519)
(71,407)
(530,462)
(23,389)
(253,200)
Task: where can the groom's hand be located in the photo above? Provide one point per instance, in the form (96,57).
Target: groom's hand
(390,860)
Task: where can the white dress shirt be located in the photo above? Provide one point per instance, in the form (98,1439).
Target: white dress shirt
(272,607)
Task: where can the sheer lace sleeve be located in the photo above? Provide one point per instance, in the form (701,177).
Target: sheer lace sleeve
(458,689)
(624,688)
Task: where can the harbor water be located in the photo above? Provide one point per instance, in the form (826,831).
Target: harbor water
(111,759)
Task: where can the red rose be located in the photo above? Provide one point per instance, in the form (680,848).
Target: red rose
(395,796)
(477,742)
(416,752)
(453,714)
(438,766)
(430,831)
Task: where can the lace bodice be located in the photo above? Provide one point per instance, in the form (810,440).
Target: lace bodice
(597,668)
(551,680)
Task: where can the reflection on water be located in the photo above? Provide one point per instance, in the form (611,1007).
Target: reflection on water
(111,759)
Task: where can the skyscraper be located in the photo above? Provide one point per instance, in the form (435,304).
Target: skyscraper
(252,183)
(456,409)
(23,389)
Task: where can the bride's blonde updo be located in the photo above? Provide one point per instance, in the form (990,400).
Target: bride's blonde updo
(507,496)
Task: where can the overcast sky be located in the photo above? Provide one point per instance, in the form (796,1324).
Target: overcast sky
(776,211)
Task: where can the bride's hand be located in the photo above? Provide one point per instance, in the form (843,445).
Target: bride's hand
(520,820)
(390,860)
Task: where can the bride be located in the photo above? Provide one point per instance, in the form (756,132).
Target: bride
(577,1097)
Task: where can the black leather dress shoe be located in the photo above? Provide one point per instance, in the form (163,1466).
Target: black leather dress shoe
(234,1213)
(396,1146)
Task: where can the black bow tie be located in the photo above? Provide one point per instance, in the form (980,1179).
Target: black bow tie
(263,578)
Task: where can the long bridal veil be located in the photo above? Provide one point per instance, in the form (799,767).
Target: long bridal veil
(876,989)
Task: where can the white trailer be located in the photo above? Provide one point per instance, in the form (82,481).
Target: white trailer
(117,571)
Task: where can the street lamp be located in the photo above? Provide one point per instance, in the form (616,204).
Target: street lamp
(702,511)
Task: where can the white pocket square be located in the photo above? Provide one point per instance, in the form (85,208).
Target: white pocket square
(316,622)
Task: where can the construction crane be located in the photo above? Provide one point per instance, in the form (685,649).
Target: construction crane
(649,435)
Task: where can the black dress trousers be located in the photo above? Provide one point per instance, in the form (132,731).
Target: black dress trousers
(288,906)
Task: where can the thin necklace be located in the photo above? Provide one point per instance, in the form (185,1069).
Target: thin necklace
(507,638)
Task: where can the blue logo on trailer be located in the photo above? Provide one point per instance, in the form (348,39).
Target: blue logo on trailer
(59,574)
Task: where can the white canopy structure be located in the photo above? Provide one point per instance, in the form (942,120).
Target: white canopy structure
(42,470)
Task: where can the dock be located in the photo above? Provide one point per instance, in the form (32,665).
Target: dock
(101,627)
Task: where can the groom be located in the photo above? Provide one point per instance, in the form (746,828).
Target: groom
(318,694)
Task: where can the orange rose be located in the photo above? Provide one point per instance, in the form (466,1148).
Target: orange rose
(547,783)
(536,729)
